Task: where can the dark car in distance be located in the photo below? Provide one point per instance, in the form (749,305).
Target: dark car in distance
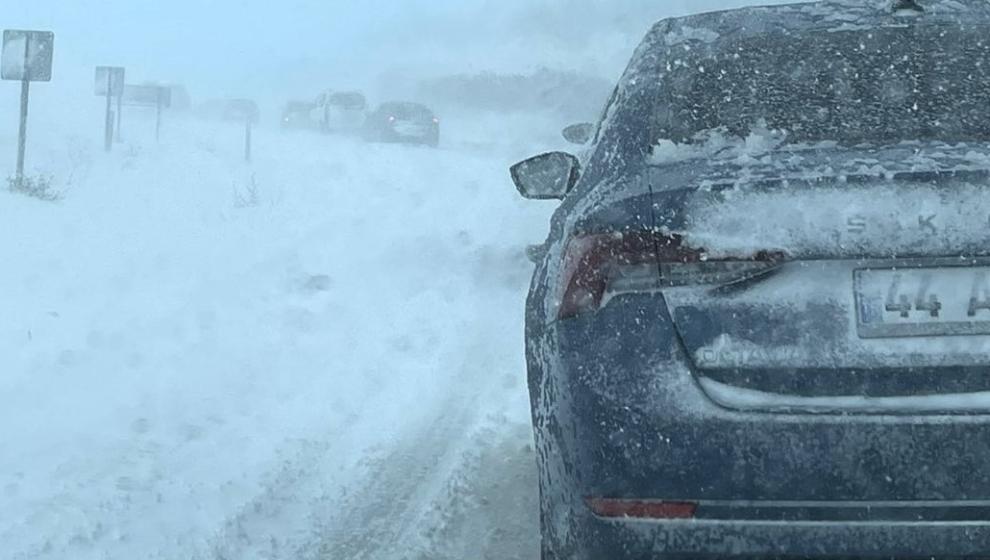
(403,122)
(761,324)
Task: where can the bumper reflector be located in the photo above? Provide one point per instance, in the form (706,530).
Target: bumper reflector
(641,509)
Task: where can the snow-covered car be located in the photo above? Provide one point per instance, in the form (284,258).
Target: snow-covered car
(340,112)
(403,122)
(762,323)
(296,116)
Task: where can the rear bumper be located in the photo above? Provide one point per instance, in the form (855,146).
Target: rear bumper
(641,540)
(637,424)
(627,419)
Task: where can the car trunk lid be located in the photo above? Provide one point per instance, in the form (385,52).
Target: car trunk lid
(883,292)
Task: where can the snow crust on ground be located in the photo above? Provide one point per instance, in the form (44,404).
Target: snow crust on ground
(202,358)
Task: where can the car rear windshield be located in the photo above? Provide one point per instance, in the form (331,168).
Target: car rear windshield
(408,111)
(876,85)
(349,100)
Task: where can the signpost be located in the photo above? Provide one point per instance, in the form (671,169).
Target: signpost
(159,97)
(248,111)
(26,57)
(110,82)
(247,140)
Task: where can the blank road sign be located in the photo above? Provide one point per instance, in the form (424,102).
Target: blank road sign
(242,109)
(148,96)
(27,55)
(112,76)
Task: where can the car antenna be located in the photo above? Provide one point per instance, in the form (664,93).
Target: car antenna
(907,5)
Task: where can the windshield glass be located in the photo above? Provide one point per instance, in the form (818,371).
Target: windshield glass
(407,111)
(878,85)
(720,79)
(348,100)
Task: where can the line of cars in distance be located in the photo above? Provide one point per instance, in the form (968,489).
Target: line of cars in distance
(347,113)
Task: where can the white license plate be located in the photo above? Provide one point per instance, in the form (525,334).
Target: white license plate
(945,301)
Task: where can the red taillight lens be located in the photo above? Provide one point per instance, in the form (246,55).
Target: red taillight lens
(590,259)
(641,509)
(627,262)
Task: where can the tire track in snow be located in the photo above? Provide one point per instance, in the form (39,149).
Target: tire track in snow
(464,483)
(456,480)
(379,520)
(490,509)
(465,486)
(456,487)
(438,498)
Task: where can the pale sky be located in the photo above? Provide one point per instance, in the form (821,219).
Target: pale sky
(281,48)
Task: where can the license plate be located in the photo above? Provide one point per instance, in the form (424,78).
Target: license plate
(946,301)
(410,129)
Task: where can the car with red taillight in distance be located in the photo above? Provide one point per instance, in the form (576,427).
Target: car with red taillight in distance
(761,325)
(403,122)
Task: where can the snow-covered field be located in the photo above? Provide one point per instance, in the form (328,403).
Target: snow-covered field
(317,355)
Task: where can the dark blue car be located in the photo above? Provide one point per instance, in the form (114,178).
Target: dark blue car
(761,326)
(404,123)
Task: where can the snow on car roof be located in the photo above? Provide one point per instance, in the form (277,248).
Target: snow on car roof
(728,161)
(673,44)
(832,14)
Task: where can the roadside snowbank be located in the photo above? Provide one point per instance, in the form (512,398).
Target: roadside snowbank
(183,326)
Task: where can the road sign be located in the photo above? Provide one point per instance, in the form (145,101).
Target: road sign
(242,109)
(27,55)
(109,83)
(110,80)
(159,97)
(148,96)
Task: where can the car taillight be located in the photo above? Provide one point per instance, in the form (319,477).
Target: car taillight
(596,266)
(641,509)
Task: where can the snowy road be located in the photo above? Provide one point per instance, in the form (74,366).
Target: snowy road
(315,356)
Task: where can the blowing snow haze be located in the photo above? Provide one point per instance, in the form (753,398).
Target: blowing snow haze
(273,50)
(479,279)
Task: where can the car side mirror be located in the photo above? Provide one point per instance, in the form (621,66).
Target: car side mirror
(546,176)
(579,133)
